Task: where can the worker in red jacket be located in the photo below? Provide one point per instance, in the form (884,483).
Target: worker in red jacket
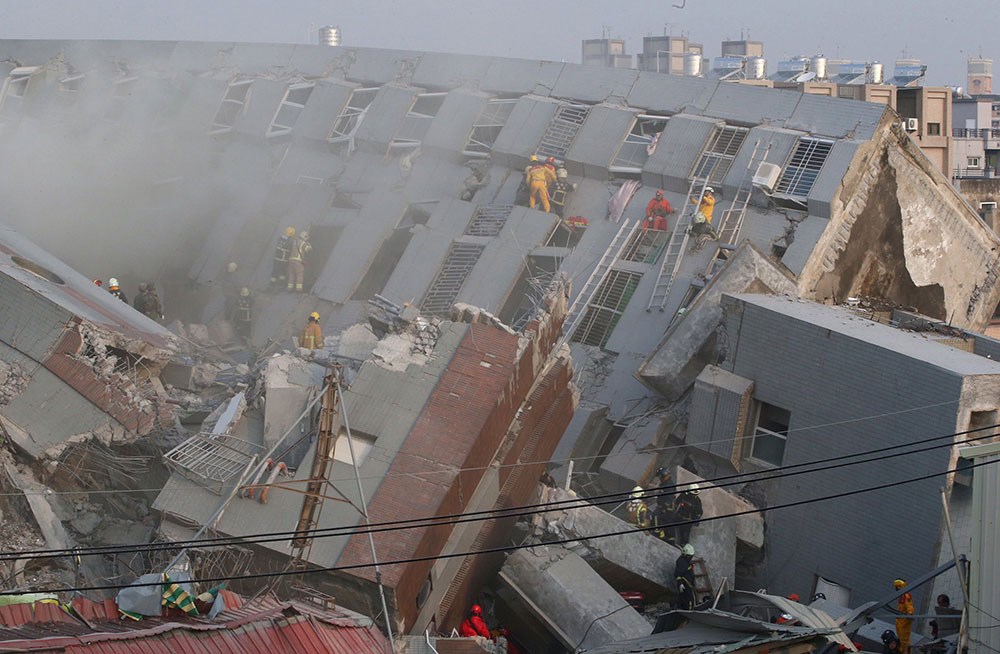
(656,213)
(474,625)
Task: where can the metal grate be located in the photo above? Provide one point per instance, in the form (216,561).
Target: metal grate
(803,168)
(461,259)
(487,127)
(719,154)
(212,460)
(606,308)
(562,130)
(645,245)
(489,219)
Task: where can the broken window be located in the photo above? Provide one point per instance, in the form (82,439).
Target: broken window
(418,120)
(487,127)
(718,156)
(290,109)
(488,220)
(605,308)
(461,259)
(529,291)
(770,434)
(559,135)
(352,115)
(639,144)
(389,253)
(803,167)
(231,106)
(15,87)
(363,445)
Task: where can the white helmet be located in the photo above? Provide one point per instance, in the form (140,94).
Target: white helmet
(112,282)
(636,493)
(688,550)
(709,189)
(694,489)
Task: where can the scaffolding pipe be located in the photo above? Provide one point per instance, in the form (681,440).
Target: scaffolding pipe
(364,515)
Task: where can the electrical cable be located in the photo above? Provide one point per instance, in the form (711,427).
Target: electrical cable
(511,548)
(490,514)
(451,470)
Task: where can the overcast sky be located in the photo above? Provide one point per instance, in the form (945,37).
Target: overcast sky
(942,34)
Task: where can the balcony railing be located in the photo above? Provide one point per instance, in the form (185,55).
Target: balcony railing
(966,173)
(964,133)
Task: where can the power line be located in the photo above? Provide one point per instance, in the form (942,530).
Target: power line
(492,514)
(510,548)
(452,470)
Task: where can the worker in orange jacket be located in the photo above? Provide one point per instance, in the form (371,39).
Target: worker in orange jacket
(312,335)
(904,606)
(539,177)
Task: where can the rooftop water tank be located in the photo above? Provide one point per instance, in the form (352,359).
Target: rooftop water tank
(329,35)
(819,66)
(875,73)
(692,64)
(756,68)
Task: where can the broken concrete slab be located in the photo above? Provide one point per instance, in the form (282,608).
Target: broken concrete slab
(290,382)
(566,595)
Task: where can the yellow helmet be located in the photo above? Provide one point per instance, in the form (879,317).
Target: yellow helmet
(289,231)
(899,583)
(533,157)
(244,292)
(315,316)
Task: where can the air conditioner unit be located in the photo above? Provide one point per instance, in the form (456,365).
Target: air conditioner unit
(767,176)
(912,124)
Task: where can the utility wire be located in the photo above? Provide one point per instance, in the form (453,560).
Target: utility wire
(511,548)
(451,470)
(492,514)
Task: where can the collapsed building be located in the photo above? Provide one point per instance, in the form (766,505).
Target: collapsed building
(405,167)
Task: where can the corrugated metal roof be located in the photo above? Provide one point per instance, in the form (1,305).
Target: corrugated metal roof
(831,176)
(266,627)
(984,593)
(806,234)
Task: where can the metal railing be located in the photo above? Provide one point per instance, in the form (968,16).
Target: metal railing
(966,173)
(966,133)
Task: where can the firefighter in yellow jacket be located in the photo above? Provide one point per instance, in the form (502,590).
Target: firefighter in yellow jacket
(539,177)
(904,606)
(312,335)
(296,261)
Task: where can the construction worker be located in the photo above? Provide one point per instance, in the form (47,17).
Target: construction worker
(312,335)
(279,266)
(474,625)
(297,261)
(244,317)
(656,213)
(116,290)
(154,309)
(684,576)
(139,303)
(905,607)
(701,223)
(539,177)
(685,511)
(638,511)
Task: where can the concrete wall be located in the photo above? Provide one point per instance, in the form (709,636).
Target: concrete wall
(851,397)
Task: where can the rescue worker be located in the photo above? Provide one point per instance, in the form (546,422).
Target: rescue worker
(139,303)
(98,282)
(539,176)
(154,309)
(116,290)
(890,642)
(904,606)
(685,511)
(701,223)
(297,261)
(550,163)
(656,213)
(560,193)
(279,266)
(474,625)
(244,318)
(638,512)
(312,335)
(684,576)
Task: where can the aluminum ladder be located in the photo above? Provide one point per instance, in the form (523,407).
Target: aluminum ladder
(597,277)
(732,218)
(677,244)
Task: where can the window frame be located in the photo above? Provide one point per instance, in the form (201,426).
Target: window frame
(751,453)
(277,129)
(803,167)
(721,148)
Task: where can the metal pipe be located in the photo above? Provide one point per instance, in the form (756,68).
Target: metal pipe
(364,514)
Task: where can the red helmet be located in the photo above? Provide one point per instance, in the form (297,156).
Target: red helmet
(476,610)
(551,160)
(659,194)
